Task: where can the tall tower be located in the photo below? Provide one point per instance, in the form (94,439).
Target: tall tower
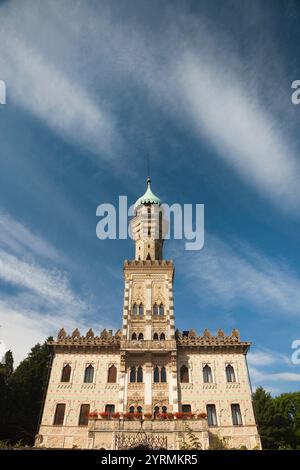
(148,346)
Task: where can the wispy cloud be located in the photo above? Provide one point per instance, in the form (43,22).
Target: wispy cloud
(260,377)
(37,298)
(17,237)
(225,111)
(232,274)
(266,357)
(55,97)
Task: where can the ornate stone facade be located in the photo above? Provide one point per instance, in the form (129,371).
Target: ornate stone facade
(147,381)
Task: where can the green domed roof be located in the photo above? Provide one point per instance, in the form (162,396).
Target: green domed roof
(148,197)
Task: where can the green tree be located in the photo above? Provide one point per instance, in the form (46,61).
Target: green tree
(26,387)
(273,426)
(288,406)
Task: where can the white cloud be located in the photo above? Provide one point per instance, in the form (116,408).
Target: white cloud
(50,94)
(224,110)
(49,283)
(231,275)
(260,358)
(259,376)
(41,298)
(17,237)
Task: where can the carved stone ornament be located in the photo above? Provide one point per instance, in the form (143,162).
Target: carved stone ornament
(61,334)
(90,334)
(76,334)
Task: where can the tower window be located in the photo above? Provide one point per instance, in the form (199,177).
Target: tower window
(161,310)
(134,309)
(112,374)
(230,374)
(211,415)
(139,409)
(184,374)
(140,374)
(59,414)
(164,409)
(162,337)
(148,255)
(131,409)
(236,415)
(141,336)
(163,376)
(84,415)
(207,374)
(155,309)
(156,375)
(89,374)
(156,411)
(155,337)
(133,337)
(132,374)
(141,310)
(66,373)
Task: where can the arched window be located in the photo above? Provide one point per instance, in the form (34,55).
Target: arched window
(141,336)
(132,374)
(134,309)
(163,375)
(133,337)
(230,375)
(66,373)
(110,409)
(131,409)
(141,310)
(236,415)
(156,375)
(59,414)
(89,374)
(84,415)
(112,374)
(164,409)
(155,337)
(155,309)
(161,310)
(207,374)
(184,374)
(140,374)
(139,409)
(148,256)
(211,415)
(162,337)
(156,411)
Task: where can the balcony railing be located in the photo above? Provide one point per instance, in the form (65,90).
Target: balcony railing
(148,344)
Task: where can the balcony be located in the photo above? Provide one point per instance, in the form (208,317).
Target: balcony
(148,345)
(150,425)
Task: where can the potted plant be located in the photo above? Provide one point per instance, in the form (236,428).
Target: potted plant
(170,416)
(93,415)
(148,415)
(178,415)
(202,415)
(104,415)
(128,415)
(137,415)
(116,415)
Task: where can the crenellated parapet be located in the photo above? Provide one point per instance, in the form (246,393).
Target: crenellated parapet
(191,339)
(105,338)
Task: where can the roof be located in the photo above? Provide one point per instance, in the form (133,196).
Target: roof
(148,197)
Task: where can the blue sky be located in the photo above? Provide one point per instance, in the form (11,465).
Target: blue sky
(204,89)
